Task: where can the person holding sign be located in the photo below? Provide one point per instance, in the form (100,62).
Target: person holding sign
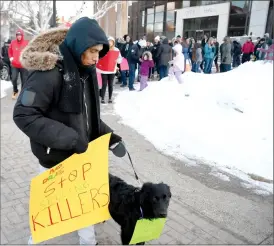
(109,73)
(58,107)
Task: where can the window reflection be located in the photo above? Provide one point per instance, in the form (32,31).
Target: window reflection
(158,27)
(159,17)
(150,19)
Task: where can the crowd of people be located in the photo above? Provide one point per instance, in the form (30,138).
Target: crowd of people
(157,60)
(198,56)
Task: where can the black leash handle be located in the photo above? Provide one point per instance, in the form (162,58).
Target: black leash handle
(120,151)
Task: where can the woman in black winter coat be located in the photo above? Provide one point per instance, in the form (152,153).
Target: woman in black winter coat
(164,55)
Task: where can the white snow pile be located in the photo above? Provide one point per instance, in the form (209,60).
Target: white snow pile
(226,121)
(5,85)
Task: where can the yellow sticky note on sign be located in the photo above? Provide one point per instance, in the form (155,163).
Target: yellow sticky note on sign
(147,230)
(72,195)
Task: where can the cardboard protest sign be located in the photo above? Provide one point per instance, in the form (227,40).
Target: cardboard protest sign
(107,64)
(147,230)
(72,195)
(124,65)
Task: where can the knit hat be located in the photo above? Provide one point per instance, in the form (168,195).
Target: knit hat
(157,38)
(142,43)
(111,38)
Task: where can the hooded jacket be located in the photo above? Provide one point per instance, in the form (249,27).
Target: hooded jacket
(248,47)
(15,50)
(164,53)
(135,53)
(146,64)
(59,113)
(179,59)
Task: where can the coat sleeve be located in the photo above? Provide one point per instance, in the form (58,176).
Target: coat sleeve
(120,58)
(104,128)
(10,50)
(29,112)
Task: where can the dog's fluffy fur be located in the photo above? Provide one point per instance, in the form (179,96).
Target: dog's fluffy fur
(127,201)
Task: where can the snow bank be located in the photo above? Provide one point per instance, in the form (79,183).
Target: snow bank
(5,85)
(226,121)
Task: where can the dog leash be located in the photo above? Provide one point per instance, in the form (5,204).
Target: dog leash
(120,151)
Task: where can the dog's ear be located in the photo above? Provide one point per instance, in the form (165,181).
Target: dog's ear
(145,191)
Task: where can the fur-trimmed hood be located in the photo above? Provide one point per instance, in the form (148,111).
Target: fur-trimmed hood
(148,53)
(42,52)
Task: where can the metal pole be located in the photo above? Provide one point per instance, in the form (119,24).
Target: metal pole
(54,14)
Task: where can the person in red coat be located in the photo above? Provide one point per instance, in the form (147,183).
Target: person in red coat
(247,49)
(15,49)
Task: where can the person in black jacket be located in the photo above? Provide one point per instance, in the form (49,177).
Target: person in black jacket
(154,52)
(236,52)
(133,59)
(5,55)
(125,49)
(164,55)
(58,107)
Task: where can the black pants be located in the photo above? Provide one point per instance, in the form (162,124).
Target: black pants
(236,61)
(107,80)
(246,57)
(14,77)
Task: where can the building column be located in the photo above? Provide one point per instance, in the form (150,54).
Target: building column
(258,18)
(122,19)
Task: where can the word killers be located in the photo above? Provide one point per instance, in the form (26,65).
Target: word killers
(85,203)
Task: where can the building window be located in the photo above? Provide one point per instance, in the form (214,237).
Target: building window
(150,11)
(160,8)
(149,28)
(269,23)
(239,18)
(159,17)
(170,5)
(197,27)
(170,15)
(150,19)
(158,27)
(143,18)
(239,7)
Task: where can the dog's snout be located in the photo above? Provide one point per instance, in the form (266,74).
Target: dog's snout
(163,215)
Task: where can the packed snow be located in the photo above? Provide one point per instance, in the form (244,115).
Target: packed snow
(224,120)
(5,85)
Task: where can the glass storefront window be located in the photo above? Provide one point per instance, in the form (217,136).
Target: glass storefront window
(158,27)
(170,15)
(150,11)
(239,7)
(143,18)
(160,8)
(170,5)
(149,28)
(159,17)
(237,20)
(209,22)
(170,27)
(150,19)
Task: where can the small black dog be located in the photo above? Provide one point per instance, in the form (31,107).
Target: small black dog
(129,204)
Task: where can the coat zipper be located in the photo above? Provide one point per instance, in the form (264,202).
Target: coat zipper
(86,108)
(85,103)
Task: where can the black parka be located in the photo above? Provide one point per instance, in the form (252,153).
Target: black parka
(56,111)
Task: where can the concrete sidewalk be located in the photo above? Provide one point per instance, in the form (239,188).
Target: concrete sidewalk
(188,221)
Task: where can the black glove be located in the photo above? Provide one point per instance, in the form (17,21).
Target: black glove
(114,139)
(80,146)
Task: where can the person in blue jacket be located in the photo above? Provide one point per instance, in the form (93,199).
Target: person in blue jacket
(209,51)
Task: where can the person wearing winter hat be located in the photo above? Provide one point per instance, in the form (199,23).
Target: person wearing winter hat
(58,107)
(14,52)
(108,77)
